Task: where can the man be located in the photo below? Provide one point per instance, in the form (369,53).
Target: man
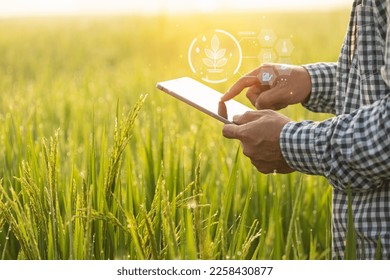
(351,149)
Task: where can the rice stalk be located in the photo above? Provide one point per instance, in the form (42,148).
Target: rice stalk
(222,228)
(196,210)
(240,231)
(168,224)
(150,237)
(33,194)
(19,224)
(122,135)
(51,191)
(253,234)
(289,240)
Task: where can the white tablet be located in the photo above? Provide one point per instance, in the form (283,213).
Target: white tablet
(203,98)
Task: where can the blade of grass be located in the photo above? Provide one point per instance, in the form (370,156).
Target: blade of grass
(297,202)
(378,254)
(350,247)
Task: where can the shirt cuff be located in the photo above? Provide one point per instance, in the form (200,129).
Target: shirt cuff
(323,79)
(298,146)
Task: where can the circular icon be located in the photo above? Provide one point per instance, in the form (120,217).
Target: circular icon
(215,56)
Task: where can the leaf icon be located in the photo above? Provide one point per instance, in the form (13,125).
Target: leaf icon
(215,43)
(215,56)
(209,53)
(221,62)
(208,62)
(220,53)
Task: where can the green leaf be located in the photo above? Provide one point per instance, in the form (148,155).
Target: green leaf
(350,247)
(378,254)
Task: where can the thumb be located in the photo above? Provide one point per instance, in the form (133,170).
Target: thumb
(230,131)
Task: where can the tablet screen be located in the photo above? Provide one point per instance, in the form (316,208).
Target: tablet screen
(203,98)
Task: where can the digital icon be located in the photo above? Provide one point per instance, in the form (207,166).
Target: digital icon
(215,56)
(267,56)
(284,47)
(267,38)
(267,77)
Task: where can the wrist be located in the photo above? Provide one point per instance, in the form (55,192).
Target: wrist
(308,86)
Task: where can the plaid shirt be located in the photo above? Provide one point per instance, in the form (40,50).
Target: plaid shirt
(353,148)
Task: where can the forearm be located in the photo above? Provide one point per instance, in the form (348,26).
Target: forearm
(323,79)
(351,149)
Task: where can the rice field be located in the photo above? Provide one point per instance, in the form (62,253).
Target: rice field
(96,163)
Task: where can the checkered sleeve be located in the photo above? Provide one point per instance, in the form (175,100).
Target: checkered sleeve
(351,149)
(323,79)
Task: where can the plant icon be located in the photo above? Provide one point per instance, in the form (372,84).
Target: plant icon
(215,57)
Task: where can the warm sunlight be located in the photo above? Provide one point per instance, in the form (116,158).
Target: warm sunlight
(27,7)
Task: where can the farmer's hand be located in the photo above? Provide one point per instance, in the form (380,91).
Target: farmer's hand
(273,86)
(259,133)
